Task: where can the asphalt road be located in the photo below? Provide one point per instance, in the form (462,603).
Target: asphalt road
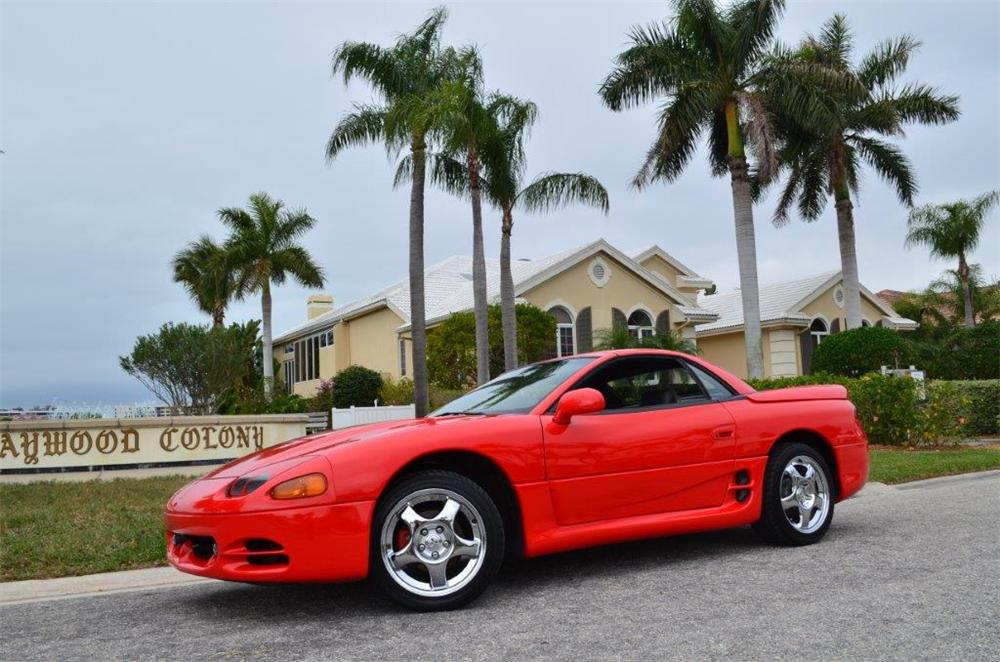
(911,573)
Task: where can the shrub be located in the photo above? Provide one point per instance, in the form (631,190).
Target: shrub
(982,405)
(859,351)
(969,354)
(397,393)
(322,400)
(892,410)
(252,401)
(356,386)
(451,347)
(440,396)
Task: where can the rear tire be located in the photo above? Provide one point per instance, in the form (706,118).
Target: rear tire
(437,541)
(798,497)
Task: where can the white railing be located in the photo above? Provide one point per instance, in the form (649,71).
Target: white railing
(345,418)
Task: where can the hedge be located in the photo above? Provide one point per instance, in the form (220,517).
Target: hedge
(860,351)
(894,412)
(356,386)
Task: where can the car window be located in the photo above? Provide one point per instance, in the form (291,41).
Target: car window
(717,390)
(517,391)
(640,382)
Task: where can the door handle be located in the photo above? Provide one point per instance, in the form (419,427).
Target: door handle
(725,432)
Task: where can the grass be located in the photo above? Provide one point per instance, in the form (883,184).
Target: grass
(52,529)
(901,465)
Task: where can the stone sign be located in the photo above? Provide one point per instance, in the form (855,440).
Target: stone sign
(98,442)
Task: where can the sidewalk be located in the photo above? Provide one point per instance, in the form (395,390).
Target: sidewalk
(62,588)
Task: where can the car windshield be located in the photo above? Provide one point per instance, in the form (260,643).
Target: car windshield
(517,391)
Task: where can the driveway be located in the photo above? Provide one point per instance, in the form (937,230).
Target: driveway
(904,573)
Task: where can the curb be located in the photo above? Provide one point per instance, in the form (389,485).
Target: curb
(64,588)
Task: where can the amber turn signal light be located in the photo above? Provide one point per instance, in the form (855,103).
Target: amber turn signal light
(309,485)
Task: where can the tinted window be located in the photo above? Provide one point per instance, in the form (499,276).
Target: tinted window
(716,389)
(516,391)
(635,383)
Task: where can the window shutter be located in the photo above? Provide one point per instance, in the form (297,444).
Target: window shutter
(618,319)
(663,323)
(835,325)
(584,331)
(805,344)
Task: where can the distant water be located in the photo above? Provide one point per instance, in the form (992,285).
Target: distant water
(78,410)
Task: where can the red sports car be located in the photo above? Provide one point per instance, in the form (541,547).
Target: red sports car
(579,451)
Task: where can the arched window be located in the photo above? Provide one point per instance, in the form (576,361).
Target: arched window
(640,325)
(865,322)
(818,330)
(565,331)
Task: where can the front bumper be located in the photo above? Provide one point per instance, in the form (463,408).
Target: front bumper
(316,543)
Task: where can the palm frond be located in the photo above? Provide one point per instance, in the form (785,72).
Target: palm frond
(759,132)
(680,124)
(365,125)
(923,104)
(295,262)
(886,61)
(890,163)
(550,191)
(443,171)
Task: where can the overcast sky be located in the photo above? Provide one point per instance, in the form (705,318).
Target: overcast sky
(126,125)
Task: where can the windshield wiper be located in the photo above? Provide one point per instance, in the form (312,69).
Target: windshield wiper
(461,413)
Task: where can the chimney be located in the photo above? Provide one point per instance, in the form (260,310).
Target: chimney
(317,304)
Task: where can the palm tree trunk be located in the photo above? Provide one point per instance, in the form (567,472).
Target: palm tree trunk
(963,275)
(418,322)
(746,244)
(480,309)
(265,305)
(849,259)
(508,314)
(219,316)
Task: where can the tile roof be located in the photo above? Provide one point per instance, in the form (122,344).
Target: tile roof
(777,301)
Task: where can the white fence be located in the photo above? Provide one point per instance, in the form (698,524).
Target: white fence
(345,418)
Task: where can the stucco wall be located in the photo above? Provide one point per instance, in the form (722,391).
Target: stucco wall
(726,351)
(661,266)
(574,289)
(374,341)
(825,305)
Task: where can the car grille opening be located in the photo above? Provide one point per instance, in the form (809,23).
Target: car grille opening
(262,545)
(742,478)
(268,559)
(202,547)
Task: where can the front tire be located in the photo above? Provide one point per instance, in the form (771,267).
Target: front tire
(798,497)
(437,541)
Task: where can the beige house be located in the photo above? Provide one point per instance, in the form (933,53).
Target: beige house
(586,289)
(795,317)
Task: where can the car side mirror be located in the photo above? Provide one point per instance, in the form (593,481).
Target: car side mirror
(576,402)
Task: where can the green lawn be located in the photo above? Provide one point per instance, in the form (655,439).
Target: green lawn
(899,466)
(50,529)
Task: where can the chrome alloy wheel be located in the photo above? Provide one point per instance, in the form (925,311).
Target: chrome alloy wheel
(805,494)
(433,542)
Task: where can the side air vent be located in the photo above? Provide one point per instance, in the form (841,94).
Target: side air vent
(742,478)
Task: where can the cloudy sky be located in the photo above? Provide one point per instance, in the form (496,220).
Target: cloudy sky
(126,125)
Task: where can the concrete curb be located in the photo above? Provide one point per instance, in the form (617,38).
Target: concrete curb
(63,588)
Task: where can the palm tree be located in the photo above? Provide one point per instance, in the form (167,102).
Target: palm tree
(825,158)
(263,248)
(205,269)
(620,337)
(712,64)
(410,77)
(953,230)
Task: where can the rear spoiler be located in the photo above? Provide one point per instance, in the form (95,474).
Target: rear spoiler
(799,393)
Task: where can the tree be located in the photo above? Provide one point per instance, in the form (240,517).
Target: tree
(824,157)
(192,368)
(264,251)
(451,346)
(953,230)
(619,337)
(711,63)
(503,159)
(355,386)
(409,77)
(205,269)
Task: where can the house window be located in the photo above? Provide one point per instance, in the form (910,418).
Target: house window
(565,331)
(818,330)
(306,362)
(402,358)
(640,325)
(289,375)
(865,322)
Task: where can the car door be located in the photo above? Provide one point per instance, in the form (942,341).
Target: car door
(662,444)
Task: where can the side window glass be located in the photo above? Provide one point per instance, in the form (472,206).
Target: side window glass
(716,389)
(640,383)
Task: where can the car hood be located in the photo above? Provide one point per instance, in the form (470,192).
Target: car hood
(317,444)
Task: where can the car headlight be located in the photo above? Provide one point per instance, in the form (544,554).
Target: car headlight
(301,487)
(244,485)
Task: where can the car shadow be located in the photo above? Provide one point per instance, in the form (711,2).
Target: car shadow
(277,603)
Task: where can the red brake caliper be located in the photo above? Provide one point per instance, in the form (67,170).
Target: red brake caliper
(402,538)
